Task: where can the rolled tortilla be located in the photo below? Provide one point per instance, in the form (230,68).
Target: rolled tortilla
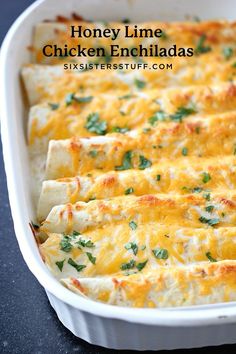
(53,83)
(139,149)
(111,249)
(190,210)
(122,113)
(165,287)
(182,178)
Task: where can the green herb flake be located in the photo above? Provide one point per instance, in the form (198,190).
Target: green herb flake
(93,153)
(129,190)
(207,196)
(206,177)
(185,151)
(209,256)
(139,83)
(120,130)
(126,20)
(77,266)
(126,163)
(181,113)
(91,258)
(85,243)
(130,265)
(144,163)
(158,177)
(201,48)
(141,265)
(65,244)
(234,65)
(197,190)
(159,116)
(209,208)
(133,225)
(125,97)
(132,246)
(160,253)
(143,247)
(53,106)
(164,35)
(210,222)
(60,264)
(69,98)
(146,130)
(228,52)
(95,125)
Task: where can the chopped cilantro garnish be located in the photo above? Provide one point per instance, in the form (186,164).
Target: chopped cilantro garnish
(85,243)
(207,196)
(181,113)
(200,47)
(158,177)
(210,222)
(206,177)
(129,190)
(146,130)
(133,225)
(120,130)
(125,97)
(164,35)
(228,52)
(209,208)
(234,65)
(65,244)
(60,264)
(139,83)
(197,190)
(140,266)
(129,265)
(91,258)
(161,253)
(159,116)
(93,153)
(77,266)
(95,125)
(185,151)
(132,246)
(126,163)
(144,163)
(75,233)
(54,106)
(126,20)
(209,256)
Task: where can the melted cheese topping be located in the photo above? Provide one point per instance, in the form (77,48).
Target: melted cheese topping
(182,210)
(112,248)
(186,177)
(127,112)
(164,287)
(144,216)
(68,158)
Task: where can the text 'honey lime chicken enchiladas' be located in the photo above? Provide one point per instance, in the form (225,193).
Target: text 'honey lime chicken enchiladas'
(134,169)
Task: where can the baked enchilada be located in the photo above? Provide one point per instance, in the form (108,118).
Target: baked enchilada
(134,171)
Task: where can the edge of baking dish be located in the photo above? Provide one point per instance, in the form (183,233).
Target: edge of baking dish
(13,119)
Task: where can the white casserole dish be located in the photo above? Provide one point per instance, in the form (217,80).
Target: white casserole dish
(97,323)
